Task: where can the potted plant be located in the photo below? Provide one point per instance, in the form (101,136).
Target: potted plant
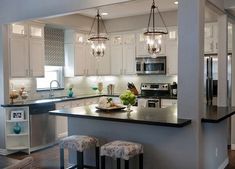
(128,99)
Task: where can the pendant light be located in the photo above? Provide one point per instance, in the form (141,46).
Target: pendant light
(98,39)
(153,35)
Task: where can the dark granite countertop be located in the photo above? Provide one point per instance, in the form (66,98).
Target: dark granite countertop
(214,114)
(150,116)
(65,98)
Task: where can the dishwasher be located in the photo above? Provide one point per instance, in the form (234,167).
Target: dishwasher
(42,126)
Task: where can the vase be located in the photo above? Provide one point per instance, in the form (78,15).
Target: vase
(17,128)
(128,107)
(70,93)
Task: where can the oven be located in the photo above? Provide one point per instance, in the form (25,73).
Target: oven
(153,103)
(151,65)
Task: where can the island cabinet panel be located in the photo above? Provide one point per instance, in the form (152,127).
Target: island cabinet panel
(26,49)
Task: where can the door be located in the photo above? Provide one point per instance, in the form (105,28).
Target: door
(19,57)
(37,57)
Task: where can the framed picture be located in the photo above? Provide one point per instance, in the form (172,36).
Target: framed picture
(17,115)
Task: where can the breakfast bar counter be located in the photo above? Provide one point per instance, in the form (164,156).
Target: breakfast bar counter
(149,116)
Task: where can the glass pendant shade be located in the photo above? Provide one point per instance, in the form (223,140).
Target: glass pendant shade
(153,35)
(98,39)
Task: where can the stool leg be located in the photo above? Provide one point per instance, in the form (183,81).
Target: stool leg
(102,162)
(118,163)
(141,159)
(61,158)
(97,156)
(80,164)
(126,164)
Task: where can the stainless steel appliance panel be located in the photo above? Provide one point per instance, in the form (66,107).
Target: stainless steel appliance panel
(42,126)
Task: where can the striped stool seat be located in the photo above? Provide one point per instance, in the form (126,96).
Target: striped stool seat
(121,150)
(79,143)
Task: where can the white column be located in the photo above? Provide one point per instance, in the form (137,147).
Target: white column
(222,100)
(233,90)
(190,70)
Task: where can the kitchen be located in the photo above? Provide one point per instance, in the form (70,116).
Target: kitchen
(120,77)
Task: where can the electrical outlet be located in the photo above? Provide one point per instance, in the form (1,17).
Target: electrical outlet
(216,152)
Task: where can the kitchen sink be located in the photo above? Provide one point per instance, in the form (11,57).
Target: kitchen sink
(54,99)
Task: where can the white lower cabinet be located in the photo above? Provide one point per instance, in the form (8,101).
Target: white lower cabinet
(168,102)
(142,102)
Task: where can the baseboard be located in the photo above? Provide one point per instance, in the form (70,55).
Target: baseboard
(232,146)
(5,152)
(224,164)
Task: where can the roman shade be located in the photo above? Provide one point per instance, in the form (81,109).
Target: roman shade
(54,46)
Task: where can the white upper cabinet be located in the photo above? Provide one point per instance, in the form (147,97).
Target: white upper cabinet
(19,57)
(142,47)
(37,57)
(116,54)
(78,58)
(26,52)
(129,66)
(172,51)
(230,38)
(123,54)
(18,30)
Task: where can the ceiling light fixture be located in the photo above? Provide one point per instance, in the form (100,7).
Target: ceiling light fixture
(98,39)
(153,34)
(176,2)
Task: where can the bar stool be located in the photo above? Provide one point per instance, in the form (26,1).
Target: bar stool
(79,143)
(121,150)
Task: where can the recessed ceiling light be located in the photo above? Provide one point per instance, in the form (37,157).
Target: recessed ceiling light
(176,2)
(104,13)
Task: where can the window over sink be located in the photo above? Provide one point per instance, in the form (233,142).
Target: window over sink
(51,73)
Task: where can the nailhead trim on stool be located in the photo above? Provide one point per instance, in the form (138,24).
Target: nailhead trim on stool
(79,143)
(122,150)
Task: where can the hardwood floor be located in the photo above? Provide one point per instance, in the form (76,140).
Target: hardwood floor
(44,159)
(49,159)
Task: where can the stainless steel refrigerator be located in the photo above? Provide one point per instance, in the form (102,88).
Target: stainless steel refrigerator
(211,78)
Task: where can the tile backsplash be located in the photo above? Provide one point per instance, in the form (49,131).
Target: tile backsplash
(83,85)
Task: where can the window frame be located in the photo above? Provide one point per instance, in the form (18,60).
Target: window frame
(60,78)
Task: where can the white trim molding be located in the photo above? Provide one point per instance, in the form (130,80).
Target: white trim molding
(224,164)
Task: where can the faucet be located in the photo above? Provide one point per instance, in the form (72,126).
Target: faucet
(51,95)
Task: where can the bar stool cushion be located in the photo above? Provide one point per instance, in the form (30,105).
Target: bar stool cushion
(79,142)
(121,149)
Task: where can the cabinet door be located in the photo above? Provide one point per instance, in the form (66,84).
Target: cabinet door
(129,60)
(172,57)
(18,30)
(230,38)
(37,57)
(129,54)
(116,60)
(19,57)
(104,62)
(91,63)
(142,48)
(36,31)
(80,60)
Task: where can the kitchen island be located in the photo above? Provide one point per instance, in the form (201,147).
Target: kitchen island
(165,137)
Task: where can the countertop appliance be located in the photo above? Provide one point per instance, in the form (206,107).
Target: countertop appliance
(152,91)
(151,65)
(42,126)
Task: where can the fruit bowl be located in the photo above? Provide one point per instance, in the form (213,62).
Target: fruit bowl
(128,99)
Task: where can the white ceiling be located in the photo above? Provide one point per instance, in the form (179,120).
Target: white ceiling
(132,8)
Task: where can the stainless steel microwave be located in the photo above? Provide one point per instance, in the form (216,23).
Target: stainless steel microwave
(151,65)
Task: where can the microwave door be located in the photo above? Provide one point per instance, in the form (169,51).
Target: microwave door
(154,67)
